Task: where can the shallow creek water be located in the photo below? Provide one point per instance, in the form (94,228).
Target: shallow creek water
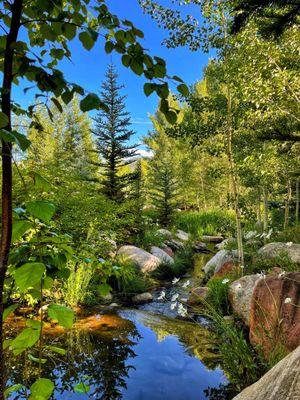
(128,354)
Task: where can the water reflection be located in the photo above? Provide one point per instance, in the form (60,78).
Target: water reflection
(134,356)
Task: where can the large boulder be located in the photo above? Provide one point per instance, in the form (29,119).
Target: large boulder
(275,312)
(145,261)
(183,236)
(282,382)
(217,261)
(162,255)
(212,239)
(271,250)
(142,298)
(240,296)
(226,269)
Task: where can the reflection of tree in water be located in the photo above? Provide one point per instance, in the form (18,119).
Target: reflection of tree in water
(100,361)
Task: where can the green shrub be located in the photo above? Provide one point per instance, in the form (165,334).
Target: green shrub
(282,260)
(206,222)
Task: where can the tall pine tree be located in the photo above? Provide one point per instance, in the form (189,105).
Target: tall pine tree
(112,131)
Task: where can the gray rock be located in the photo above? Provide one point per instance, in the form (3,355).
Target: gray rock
(174,244)
(107,298)
(225,243)
(165,233)
(162,255)
(217,261)
(145,261)
(212,239)
(282,382)
(271,250)
(240,295)
(181,235)
(114,305)
(142,298)
(250,235)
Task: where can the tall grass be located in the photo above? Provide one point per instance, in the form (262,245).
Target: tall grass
(75,290)
(213,222)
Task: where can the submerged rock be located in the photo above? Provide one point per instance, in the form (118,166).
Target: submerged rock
(272,250)
(275,312)
(142,298)
(181,235)
(162,255)
(145,261)
(240,296)
(217,261)
(282,382)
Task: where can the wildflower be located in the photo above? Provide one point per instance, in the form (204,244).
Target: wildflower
(186,284)
(175,280)
(281,274)
(224,281)
(289,244)
(162,295)
(288,300)
(184,300)
(238,286)
(182,311)
(101,260)
(175,297)
(173,305)
(242,266)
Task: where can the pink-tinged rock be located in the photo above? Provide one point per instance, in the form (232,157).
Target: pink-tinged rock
(240,296)
(142,259)
(226,269)
(275,313)
(197,295)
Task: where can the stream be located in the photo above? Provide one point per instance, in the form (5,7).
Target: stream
(133,354)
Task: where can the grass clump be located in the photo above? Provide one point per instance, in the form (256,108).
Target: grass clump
(214,222)
(217,296)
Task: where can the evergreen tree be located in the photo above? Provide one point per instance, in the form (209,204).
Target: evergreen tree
(112,133)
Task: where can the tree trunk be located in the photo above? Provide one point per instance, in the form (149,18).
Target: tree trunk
(297,202)
(287,204)
(266,212)
(6,216)
(258,208)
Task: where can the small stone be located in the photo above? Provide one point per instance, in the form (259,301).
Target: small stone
(142,298)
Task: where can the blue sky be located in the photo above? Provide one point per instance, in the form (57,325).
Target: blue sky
(88,67)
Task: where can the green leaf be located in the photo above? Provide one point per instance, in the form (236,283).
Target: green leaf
(104,289)
(91,102)
(40,182)
(87,40)
(37,360)
(171,117)
(136,67)
(81,388)
(21,140)
(3,120)
(29,275)
(148,89)
(13,388)
(57,350)
(26,339)
(48,283)
(183,89)
(63,315)
(109,46)
(41,209)
(68,30)
(9,310)
(57,104)
(19,228)
(42,389)
(33,323)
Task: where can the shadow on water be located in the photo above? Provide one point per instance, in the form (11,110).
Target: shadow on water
(135,355)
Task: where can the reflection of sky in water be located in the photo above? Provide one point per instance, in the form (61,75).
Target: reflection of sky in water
(143,360)
(164,370)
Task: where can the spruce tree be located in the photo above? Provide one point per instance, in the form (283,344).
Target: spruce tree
(112,131)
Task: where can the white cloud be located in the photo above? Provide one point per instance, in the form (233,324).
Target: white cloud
(144,153)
